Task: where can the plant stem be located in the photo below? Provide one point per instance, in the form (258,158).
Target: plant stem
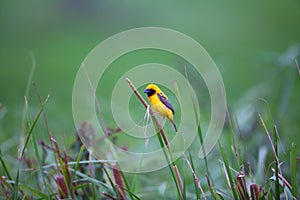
(162,136)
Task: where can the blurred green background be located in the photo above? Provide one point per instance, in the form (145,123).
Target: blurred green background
(254,45)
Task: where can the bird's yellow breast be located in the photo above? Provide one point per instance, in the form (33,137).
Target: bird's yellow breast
(160,108)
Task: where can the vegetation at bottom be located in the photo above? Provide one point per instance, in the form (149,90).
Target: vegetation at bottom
(50,172)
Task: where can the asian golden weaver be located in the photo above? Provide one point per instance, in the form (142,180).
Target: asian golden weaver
(159,102)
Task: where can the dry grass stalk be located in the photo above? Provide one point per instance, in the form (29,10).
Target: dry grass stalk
(119,182)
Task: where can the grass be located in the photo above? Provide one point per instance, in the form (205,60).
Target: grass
(83,177)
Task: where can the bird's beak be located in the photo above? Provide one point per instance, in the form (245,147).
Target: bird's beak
(146,91)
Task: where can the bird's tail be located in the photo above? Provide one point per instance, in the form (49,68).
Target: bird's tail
(174,125)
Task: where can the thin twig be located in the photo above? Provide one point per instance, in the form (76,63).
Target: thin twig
(196,179)
(270,139)
(46,121)
(44,113)
(27,90)
(178,177)
(297,64)
(283,179)
(244,144)
(137,93)
(96,99)
(232,132)
(268,134)
(119,182)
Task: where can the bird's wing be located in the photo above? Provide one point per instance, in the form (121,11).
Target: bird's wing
(165,101)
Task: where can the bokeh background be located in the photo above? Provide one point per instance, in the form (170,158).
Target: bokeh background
(254,45)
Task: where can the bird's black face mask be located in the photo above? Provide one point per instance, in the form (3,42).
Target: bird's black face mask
(149,92)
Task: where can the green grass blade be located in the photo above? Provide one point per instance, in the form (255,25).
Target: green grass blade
(277,192)
(162,144)
(211,189)
(134,181)
(193,168)
(4,166)
(199,130)
(78,158)
(36,151)
(109,179)
(53,165)
(293,163)
(184,188)
(228,171)
(27,90)
(127,188)
(32,127)
(111,183)
(92,180)
(132,195)
(67,175)
(16,186)
(203,149)
(35,191)
(95,196)
(6,183)
(200,136)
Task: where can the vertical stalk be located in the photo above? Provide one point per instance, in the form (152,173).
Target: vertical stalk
(277,192)
(165,145)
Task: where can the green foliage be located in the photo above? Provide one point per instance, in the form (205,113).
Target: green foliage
(83,177)
(293,168)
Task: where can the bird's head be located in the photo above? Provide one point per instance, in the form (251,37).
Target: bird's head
(152,89)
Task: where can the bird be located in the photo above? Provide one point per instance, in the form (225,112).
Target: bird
(160,103)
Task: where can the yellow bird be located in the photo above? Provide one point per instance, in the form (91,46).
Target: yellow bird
(159,102)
